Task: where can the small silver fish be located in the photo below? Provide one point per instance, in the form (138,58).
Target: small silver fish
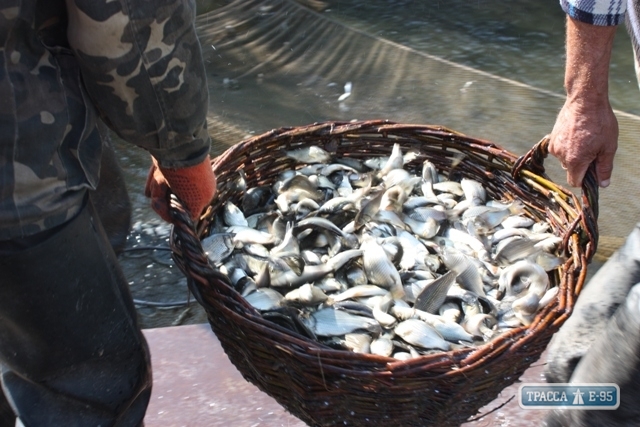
(322,223)
(402,179)
(452,331)
(379,268)
(382,346)
(523,276)
(312,169)
(413,251)
(344,187)
(305,207)
(393,199)
(297,194)
(322,182)
(467,274)
(359,292)
(480,325)
(369,210)
(390,218)
(232,215)
(414,202)
(395,160)
(424,212)
(358,343)
(265,299)
(218,247)
(283,177)
(246,235)
(328,322)
(548,296)
(298,182)
(306,294)
(355,276)
(310,257)
(549,244)
(255,199)
(429,172)
(380,306)
(433,294)
(450,311)
(485,218)
(425,229)
(256,250)
(512,249)
(547,261)
(289,245)
(461,237)
(526,307)
(330,284)
(402,355)
(451,187)
(311,154)
(418,333)
(313,272)
(328,170)
(517,221)
(473,191)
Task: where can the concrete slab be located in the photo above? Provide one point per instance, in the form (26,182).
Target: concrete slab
(196,385)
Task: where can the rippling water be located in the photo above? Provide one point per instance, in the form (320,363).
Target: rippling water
(520,40)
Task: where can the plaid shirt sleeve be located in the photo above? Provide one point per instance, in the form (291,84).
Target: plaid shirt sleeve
(596,12)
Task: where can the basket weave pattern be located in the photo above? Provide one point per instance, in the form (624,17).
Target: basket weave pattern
(326,387)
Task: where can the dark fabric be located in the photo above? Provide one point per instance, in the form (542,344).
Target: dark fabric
(600,298)
(110,198)
(614,357)
(600,343)
(7,417)
(70,347)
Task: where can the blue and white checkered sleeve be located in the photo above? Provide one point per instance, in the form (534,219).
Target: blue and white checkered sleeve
(596,12)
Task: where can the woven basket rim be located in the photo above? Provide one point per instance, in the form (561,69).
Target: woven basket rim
(223,305)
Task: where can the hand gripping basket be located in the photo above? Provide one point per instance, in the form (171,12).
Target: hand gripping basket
(327,387)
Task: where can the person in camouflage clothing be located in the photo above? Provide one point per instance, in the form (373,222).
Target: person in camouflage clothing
(71,351)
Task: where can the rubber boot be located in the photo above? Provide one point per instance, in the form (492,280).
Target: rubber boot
(614,357)
(600,298)
(70,347)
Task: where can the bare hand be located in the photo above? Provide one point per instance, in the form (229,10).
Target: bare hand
(582,135)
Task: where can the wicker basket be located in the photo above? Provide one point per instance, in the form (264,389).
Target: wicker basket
(327,387)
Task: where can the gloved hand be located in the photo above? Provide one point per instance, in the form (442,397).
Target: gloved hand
(195,186)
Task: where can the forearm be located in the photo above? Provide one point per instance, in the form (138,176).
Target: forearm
(587,66)
(586,129)
(142,67)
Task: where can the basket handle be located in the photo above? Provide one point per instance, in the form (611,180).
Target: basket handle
(533,161)
(189,256)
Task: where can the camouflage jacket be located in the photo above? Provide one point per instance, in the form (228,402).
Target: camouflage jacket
(136,64)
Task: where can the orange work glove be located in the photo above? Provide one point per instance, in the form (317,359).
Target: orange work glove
(195,186)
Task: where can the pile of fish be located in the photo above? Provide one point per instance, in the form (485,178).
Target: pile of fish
(372,257)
